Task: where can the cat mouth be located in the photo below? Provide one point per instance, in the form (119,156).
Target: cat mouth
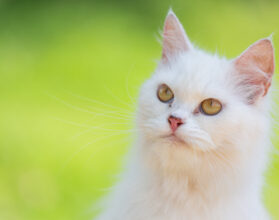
(175,139)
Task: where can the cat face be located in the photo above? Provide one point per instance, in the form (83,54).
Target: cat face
(196,104)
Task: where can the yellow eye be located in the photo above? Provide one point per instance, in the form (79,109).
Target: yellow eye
(211,106)
(164,93)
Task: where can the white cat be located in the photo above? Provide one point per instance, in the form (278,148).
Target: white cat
(203,136)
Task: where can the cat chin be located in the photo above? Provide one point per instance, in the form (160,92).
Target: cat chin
(175,141)
(174,153)
(180,153)
(179,141)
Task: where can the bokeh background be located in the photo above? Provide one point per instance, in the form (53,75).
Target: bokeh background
(69,78)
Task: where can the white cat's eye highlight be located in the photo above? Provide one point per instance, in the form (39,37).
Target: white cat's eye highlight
(210,106)
(165,94)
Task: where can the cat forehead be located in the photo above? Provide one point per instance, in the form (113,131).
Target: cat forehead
(196,72)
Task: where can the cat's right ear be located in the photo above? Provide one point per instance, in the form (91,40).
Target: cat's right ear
(175,39)
(255,67)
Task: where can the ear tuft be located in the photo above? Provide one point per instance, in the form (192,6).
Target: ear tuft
(175,39)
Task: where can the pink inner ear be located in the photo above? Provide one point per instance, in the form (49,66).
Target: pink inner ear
(259,54)
(174,37)
(257,62)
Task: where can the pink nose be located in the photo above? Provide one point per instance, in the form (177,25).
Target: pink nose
(175,122)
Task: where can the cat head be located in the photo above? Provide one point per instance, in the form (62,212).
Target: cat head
(198,106)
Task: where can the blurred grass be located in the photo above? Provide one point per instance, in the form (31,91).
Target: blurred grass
(54,54)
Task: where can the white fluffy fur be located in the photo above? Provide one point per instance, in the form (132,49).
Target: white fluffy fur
(216,174)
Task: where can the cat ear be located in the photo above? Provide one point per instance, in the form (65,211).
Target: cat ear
(175,39)
(256,67)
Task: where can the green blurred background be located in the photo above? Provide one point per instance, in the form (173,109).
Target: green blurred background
(70,73)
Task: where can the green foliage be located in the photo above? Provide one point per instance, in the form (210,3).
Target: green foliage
(59,150)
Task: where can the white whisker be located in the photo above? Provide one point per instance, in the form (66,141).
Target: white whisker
(117,98)
(99,102)
(88,144)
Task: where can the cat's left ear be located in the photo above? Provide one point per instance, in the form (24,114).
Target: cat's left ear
(175,39)
(255,67)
